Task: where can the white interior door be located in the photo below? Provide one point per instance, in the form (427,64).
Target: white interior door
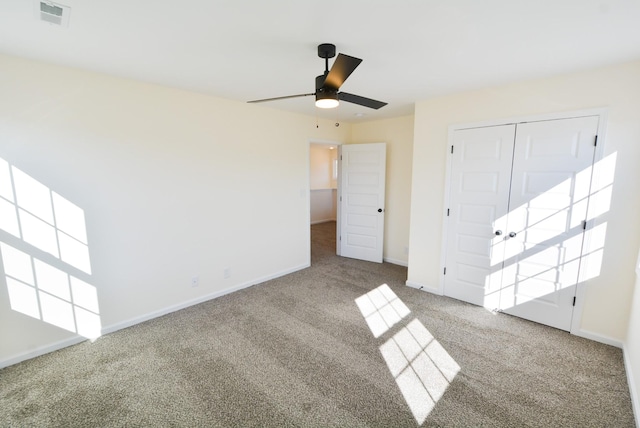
(362,201)
(518,199)
(548,204)
(480,180)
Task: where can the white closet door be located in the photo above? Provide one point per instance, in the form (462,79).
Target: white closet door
(480,179)
(548,201)
(518,198)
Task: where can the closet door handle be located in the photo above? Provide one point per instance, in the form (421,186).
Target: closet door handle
(498,232)
(512,234)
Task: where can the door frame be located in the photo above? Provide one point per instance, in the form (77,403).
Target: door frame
(602,113)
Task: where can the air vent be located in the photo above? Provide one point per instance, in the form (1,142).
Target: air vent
(53,13)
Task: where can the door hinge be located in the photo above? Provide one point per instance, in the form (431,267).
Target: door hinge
(447,212)
(445,271)
(340,238)
(340,198)
(451,149)
(595,142)
(574,300)
(340,157)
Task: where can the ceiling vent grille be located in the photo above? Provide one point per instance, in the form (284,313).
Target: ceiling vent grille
(54,13)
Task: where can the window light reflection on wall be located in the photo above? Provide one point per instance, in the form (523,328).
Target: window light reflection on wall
(44,220)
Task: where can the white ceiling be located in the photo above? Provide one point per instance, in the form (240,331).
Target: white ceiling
(252,49)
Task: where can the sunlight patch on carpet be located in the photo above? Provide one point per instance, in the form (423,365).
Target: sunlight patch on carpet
(421,367)
(382,309)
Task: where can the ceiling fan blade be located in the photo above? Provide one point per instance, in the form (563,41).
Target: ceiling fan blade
(342,68)
(357,99)
(280,98)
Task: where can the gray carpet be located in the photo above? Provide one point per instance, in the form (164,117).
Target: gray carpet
(297,351)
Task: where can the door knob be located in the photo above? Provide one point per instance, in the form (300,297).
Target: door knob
(512,234)
(379,210)
(498,232)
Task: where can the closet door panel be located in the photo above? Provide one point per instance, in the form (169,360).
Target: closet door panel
(480,178)
(548,197)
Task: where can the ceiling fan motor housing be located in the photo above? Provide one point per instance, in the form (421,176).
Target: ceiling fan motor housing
(320,84)
(324,92)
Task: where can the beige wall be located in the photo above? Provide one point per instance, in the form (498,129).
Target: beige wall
(606,306)
(172,184)
(632,347)
(398,134)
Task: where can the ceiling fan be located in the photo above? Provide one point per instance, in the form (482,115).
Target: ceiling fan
(328,84)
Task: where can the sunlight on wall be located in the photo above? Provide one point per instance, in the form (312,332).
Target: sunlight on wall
(45,220)
(421,367)
(551,249)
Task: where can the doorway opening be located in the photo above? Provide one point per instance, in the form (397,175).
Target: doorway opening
(347,186)
(324,211)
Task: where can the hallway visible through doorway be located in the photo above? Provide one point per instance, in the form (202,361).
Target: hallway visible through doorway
(323,241)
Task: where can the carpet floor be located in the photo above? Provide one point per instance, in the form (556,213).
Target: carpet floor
(327,346)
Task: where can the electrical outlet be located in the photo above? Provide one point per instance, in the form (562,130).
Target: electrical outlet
(195,281)
(226,273)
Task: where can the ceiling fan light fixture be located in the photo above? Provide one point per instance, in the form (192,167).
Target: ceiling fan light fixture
(327,100)
(328,84)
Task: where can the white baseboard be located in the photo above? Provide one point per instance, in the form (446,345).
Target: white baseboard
(596,337)
(396,262)
(41,350)
(142,318)
(196,301)
(635,399)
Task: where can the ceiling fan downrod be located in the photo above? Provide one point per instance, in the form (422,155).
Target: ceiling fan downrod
(326,51)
